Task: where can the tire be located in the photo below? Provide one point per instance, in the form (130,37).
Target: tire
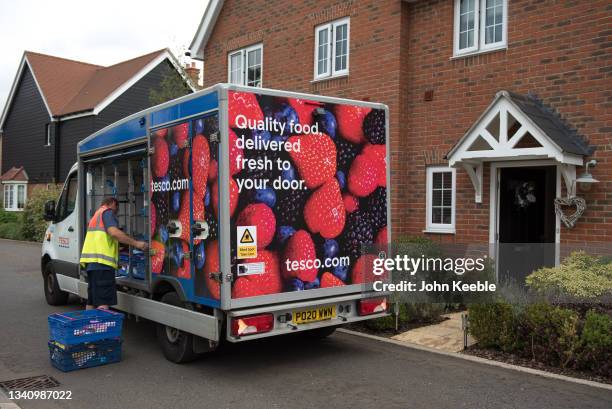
(320,333)
(53,294)
(176,345)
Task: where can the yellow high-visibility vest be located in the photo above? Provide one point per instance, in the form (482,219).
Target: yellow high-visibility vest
(99,246)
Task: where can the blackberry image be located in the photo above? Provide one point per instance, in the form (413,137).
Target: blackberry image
(213,226)
(346,152)
(374,126)
(359,229)
(376,206)
(290,208)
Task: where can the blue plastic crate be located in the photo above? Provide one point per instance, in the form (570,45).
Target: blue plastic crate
(76,327)
(70,357)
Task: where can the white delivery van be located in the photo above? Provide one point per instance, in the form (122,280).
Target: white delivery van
(255,203)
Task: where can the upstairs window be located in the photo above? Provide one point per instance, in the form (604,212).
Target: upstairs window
(245,66)
(332,49)
(440,199)
(480,25)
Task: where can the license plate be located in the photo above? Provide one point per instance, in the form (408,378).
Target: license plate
(314,314)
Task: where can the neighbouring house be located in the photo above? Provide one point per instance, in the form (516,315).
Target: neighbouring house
(55,102)
(496,106)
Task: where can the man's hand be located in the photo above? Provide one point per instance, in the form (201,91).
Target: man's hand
(141,245)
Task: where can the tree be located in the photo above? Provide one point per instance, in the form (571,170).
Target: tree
(171,86)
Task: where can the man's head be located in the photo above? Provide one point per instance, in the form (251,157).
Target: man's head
(112,203)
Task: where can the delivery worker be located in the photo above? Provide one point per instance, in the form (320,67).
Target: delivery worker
(100,254)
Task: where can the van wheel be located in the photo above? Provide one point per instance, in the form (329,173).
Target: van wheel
(320,333)
(176,345)
(53,294)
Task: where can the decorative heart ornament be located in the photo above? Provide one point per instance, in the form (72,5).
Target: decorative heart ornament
(578,202)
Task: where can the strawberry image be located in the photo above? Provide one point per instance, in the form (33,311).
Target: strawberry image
(161,133)
(316,159)
(234,153)
(300,248)
(180,133)
(233,196)
(200,154)
(378,153)
(330,280)
(211,265)
(153,219)
(381,237)
(365,174)
(324,211)
(213,170)
(269,282)
(158,250)
(350,119)
(243,103)
(184,270)
(262,217)
(183,216)
(161,157)
(362,271)
(350,202)
(304,109)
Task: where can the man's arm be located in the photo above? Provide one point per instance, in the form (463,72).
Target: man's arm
(121,237)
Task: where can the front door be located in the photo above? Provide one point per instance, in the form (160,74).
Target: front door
(526,221)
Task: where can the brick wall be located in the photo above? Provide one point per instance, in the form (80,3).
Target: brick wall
(556,49)
(286,29)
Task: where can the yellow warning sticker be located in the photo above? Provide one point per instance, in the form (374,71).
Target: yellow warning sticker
(247,241)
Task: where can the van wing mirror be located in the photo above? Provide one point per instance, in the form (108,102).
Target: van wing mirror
(49,212)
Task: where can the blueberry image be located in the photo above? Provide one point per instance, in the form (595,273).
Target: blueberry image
(207,198)
(341,272)
(330,248)
(289,174)
(199,126)
(326,120)
(296,284)
(312,284)
(200,255)
(176,201)
(284,114)
(173,149)
(261,135)
(266,196)
(162,231)
(341,179)
(284,232)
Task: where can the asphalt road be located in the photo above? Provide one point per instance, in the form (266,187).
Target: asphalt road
(342,371)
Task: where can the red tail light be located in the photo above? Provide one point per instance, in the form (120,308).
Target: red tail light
(253,324)
(372,306)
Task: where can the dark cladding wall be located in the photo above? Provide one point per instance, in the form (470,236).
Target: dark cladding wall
(137,97)
(71,132)
(24,133)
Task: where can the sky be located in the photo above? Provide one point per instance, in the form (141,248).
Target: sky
(103,33)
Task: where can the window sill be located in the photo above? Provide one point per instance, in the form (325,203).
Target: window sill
(13,210)
(479,52)
(333,77)
(439,230)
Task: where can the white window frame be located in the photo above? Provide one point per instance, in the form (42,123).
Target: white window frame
(331,71)
(14,186)
(440,227)
(479,29)
(244,52)
(48,134)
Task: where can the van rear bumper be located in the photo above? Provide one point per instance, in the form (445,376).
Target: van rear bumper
(347,311)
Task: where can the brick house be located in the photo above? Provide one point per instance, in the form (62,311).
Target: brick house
(54,103)
(518,89)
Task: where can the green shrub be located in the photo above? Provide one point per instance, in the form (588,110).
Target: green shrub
(34,226)
(494,325)
(579,276)
(551,333)
(11,230)
(408,313)
(8,217)
(596,343)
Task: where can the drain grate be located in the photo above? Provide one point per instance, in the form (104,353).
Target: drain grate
(30,383)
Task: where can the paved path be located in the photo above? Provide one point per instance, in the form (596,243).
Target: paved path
(341,372)
(446,336)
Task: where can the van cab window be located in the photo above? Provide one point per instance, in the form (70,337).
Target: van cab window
(67,201)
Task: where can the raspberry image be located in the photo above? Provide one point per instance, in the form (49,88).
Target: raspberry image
(374,126)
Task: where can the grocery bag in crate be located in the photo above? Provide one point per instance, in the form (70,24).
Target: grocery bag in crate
(85,355)
(70,328)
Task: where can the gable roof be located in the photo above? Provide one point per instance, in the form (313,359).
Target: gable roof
(15,174)
(70,87)
(202,35)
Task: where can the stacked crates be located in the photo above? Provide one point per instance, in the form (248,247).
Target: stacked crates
(82,339)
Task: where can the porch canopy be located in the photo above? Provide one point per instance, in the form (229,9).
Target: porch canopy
(518,127)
